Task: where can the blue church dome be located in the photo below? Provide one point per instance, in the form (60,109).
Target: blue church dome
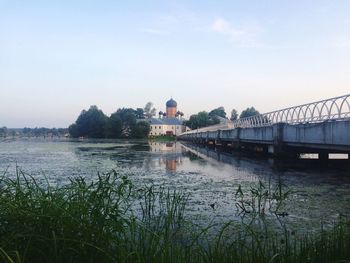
(171,103)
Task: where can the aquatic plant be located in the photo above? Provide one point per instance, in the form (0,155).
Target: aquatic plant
(261,198)
(109,220)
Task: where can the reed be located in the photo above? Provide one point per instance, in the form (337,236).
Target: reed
(109,220)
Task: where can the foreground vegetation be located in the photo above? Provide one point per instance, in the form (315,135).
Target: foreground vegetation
(109,220)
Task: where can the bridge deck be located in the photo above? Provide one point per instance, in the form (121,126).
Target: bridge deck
(322,126)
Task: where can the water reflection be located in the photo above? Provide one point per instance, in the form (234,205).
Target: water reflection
(321,190)
(170,154)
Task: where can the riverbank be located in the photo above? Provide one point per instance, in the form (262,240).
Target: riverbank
(110,220)
(162,138)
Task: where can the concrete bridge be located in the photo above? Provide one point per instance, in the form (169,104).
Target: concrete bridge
(321,127)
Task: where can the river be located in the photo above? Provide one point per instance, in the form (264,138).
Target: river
(318,193)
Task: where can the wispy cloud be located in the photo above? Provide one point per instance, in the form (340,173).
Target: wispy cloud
(243,36)
(154,31)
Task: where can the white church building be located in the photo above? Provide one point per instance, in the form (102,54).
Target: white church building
(169,123)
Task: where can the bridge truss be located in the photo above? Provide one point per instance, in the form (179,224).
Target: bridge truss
(319,111)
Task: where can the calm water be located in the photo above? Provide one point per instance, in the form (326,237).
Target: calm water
(321,193)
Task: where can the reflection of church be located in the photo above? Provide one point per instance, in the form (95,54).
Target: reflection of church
(169,122)
(170,154)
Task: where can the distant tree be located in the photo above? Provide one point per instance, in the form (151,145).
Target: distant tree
(218,112)
(140,113)
(234,115)
(123,123)
(149,110)
(91,123)
(202,119)
(3,132)
(249,112)
(74,130)
(192,122)
(128,120)
(26,131)
(114,126)
(140,130)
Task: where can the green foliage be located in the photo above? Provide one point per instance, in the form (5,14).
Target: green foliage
(149,110)
(33,132)
(202,119)
(141,130)
(234,115)
(128,120)
(163,138)
(74,130)
(218,112)
(248,112)
(3,132)
(91,123)
(140,113)
(114,126)
(262,199)
(109,220)
(121,124)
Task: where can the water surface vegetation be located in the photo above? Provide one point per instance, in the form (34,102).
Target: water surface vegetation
(140,201)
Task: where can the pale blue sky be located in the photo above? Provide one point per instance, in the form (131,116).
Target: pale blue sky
(59,57)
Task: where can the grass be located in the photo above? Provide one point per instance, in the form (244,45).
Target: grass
(162,138)
(109,220)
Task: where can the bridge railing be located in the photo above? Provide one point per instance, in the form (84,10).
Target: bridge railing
(319,111)
(329,109)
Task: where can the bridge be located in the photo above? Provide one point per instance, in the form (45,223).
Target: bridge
(321,127)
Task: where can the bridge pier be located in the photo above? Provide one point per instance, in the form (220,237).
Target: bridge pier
(323,156)
(277,147)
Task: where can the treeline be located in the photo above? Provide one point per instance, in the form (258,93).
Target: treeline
(216,116)
(33,132)
(124,123)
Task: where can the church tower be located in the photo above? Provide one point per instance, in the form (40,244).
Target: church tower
(171,108)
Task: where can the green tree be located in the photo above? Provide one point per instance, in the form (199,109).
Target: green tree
(91,123)
(218,112)
(3,132)
(202,119)
(114,126)
(140,130)
(234,115)
(74,130)
(249,112)
(149,110)
(140,113)
(128,121)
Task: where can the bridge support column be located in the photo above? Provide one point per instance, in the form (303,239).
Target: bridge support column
(323,156)
(236,141)
(277,147)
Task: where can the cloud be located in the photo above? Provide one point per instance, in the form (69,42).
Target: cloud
(242,36)
(154,31)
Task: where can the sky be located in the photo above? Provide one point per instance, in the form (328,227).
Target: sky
(59,57)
